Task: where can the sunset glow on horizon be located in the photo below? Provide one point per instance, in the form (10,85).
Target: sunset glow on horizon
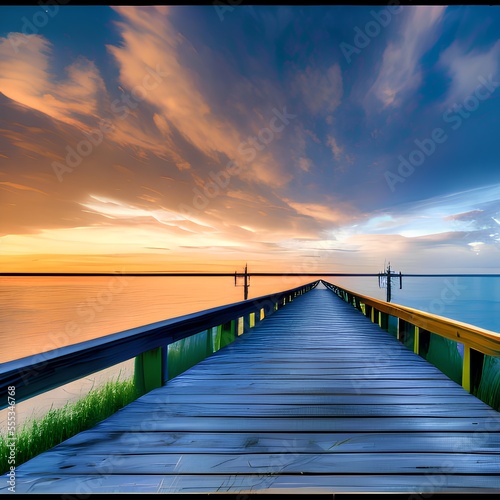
(294,139)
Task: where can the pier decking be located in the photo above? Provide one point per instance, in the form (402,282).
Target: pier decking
(316,398)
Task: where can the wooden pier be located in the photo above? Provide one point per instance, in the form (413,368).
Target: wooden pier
(315,398)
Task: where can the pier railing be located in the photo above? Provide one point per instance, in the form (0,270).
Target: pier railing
(148,344)
(476,341)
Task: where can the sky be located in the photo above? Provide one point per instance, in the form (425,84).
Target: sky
(294,139)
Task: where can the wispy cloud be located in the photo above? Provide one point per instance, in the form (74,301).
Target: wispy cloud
(305,164)
(342,159)
(321,89)
(25,77)
(400,72)
(322,212)
(13,185)
(464,64)
(336,149)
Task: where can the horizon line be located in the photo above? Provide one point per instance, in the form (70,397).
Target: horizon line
(194,274)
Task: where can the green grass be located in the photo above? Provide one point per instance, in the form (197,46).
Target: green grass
(37,436)
(489,387)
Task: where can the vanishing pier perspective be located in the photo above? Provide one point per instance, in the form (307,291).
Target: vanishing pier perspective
(315,389)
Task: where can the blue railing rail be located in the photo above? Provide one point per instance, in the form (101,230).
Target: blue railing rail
(34,375)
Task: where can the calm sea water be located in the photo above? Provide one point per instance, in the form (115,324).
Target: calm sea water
(38,314)
(474,300)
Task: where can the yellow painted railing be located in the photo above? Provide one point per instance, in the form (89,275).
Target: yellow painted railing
(476,341)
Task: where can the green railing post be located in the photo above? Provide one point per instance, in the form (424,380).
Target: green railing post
(476,371)
(368,311)
(402,330)
(416,340)
(227,333)
(249,322)
(358,305)
(472,369)
(424,342)
(216,335)
(149,370)
(384,321)
(209,349)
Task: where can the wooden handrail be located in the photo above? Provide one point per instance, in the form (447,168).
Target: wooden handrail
(39,373)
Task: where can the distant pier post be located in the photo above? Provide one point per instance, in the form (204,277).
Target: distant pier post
(246,285)
(246,281)
(385,279)
(389,291)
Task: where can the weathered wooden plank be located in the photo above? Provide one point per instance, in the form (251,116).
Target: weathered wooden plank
(288,410)
(323,349)
(303,399)
(270,388)
(256,483)
(264,463)
(248,423)
(393,372)
(331,390)
(263,364)
(95,442)
(409,378)
(309,385)
(333,363)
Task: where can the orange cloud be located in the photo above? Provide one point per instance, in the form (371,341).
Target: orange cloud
(321,212)
(21,187)
(25,78)
(152,44)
